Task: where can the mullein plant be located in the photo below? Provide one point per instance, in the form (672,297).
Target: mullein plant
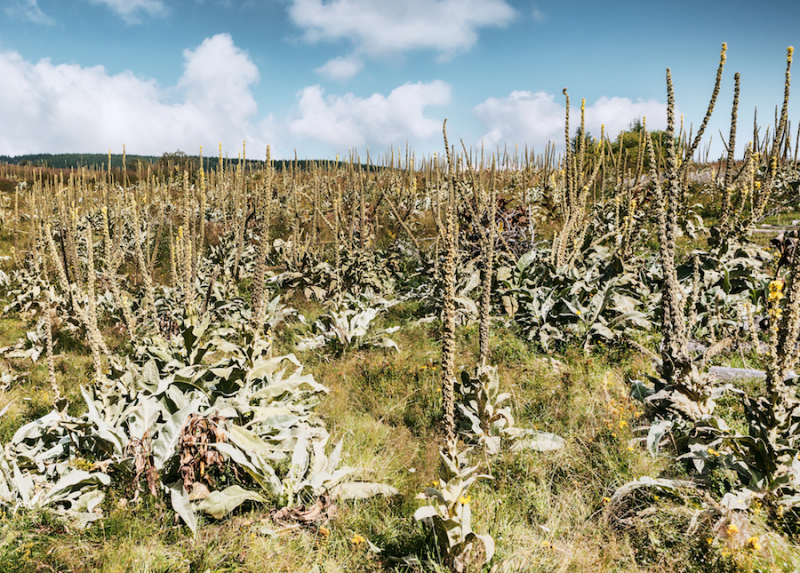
(81,307)
(449,513)
(757,179)
(568,243)
(484,215)
(682,389)
(112,261)
(449,296)
(265,205)
(767,459)
(150,313)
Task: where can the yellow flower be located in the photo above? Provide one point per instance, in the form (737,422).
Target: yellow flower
(324,531)
(357,540)
(753,544)
(775,291)
(546,545)
(464,500)
(622,424)
(606,499)
(732,529)
(710,540)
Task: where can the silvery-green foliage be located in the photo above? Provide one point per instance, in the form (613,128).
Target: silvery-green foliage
(346,329)
(484,409)
(765,459)
(24,291)
(312,473)
(271,429)
(486,416)
(449,513)
(728,276)
(429,293)
(30,347)
(596,298)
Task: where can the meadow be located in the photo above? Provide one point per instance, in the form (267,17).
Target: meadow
(482,360)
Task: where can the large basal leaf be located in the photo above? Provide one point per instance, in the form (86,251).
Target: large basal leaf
(76,479)
(538,441)
(221,503)
(182,506)
(361,490)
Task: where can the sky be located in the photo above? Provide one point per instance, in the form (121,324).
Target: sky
(321,77)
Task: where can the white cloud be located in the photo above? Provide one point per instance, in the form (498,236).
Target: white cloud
(29,10)
(380,28)
(536,118)
(341,68)
(69,108)
(48,108)
(129,10)
(349,121)
(617,113)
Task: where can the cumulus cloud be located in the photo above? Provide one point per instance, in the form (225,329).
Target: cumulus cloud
(349,121)
(60,108)
(130,10)
(341,68)
(537,118)
(29,10)
(68,108)
(377,28)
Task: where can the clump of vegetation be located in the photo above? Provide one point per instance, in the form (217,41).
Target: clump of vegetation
(229,363)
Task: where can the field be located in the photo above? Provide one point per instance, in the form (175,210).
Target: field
(472,361)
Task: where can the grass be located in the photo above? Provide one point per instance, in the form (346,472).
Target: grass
(547,511)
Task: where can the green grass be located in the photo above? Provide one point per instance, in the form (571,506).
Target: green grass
(546,511)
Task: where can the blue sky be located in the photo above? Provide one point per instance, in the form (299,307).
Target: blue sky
(321,76)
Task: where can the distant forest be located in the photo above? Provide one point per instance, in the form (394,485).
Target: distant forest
(99,160)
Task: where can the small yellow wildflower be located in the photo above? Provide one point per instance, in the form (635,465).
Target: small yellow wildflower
(732,529)
(324,531)
(606,500)
(622,424)
(710,540)
(546,545)
(753,544)
(775,291)
(464,500)
(358,540)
